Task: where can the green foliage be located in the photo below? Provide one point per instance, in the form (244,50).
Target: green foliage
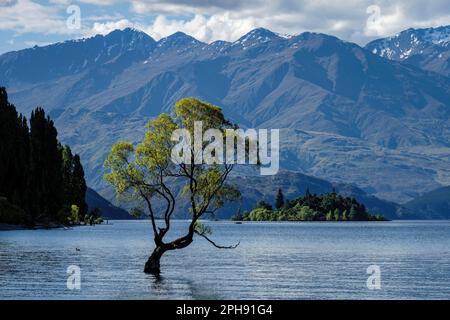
(345,216)
(146,173)
(264,205)
(261,214)
(74,183)
(203,230)
(137,213)
(74,214)
(326,207)
(141,171)
(93,217)
(37,174)
(14,154)
(45,168)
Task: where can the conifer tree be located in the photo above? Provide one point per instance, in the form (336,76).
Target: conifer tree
(37,174)
(79,185)
(74,181)
(45,168)
(14,151)
(279,200)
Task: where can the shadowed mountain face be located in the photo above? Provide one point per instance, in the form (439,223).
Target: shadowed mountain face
(428,49)
(346,114)
(432,205)
(107,209)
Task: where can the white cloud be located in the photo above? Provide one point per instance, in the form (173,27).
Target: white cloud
(219,26)
(202,28)
(347,19)
(28,16)
(98,2)
(107,27)
(210,20)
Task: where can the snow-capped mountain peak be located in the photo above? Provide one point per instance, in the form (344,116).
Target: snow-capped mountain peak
(257,36)
(426,48)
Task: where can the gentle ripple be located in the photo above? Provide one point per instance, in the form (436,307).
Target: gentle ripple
(273,261)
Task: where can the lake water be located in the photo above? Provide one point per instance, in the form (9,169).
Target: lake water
(273,261)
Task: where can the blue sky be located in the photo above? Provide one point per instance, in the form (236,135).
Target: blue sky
(25,23)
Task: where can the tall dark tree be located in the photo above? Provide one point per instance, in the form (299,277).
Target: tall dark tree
(67,174)
(279,199)
(37,175)
(46,183)
(14,152)
(79,185)
(73,180)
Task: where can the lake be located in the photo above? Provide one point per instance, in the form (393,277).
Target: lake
(273,261)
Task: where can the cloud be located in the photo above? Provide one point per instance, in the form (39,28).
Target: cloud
(25,16)
(205,7)
(107,27)
(202,28)
(7,3)
(348,19)
(210,20)
(206,29)
(98,2)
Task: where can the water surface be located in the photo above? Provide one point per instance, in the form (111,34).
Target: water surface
(273,261)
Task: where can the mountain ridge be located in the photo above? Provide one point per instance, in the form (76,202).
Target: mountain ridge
(425,48)
(432,205)
(107,209)
(342,110)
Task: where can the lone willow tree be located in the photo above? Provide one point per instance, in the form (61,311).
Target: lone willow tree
(147,173)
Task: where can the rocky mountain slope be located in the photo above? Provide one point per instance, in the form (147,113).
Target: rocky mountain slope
(346,114)
(428,48)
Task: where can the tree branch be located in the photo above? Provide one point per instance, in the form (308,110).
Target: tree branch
(150,209)
(216,245)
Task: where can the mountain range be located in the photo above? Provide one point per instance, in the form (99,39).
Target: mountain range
(373,117)
(428,49)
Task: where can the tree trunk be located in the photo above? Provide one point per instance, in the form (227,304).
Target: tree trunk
(152,265)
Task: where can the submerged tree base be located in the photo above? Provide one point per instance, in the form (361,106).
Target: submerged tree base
(153,264)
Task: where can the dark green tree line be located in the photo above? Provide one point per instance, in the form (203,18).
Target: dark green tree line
(74,184)
(311,207)
(37,174)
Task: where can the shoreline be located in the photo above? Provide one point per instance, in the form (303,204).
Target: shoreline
(14,227)
(11,227)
